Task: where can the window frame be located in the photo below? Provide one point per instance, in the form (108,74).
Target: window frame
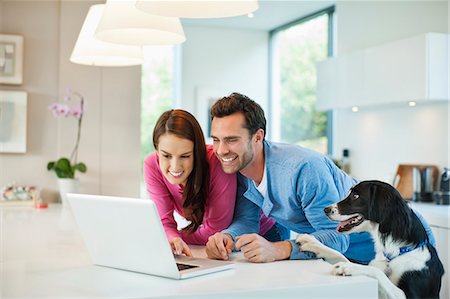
(330,11)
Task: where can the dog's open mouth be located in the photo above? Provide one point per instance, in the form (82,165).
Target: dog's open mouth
(349,223)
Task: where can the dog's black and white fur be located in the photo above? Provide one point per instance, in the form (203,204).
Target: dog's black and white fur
(406,265)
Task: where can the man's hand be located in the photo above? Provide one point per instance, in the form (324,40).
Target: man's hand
(179,246)
(258,250)
(219,246)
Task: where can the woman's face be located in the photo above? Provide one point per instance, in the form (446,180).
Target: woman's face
(176,158)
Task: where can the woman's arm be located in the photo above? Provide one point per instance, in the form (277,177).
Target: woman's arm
(159,193)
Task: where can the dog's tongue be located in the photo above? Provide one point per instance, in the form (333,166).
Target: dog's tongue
(342,225)
(349,223)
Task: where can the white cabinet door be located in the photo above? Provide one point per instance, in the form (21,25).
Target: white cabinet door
(341,81)
(396,72)
(438,65)
(442,236)
(327,85)
(411,69)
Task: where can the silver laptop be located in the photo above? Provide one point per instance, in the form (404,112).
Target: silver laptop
(127,234)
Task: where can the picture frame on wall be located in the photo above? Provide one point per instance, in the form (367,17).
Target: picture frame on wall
(205,98)
(13,121)
(11,59)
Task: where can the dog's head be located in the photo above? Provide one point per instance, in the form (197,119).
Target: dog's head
(368,202)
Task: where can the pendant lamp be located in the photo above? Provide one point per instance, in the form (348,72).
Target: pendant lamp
(123,23)
(90,51)
(198,8)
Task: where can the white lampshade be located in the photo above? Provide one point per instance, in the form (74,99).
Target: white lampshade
(198,8)
(123,23)
(90,51)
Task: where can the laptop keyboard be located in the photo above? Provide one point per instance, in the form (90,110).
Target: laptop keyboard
(182,267)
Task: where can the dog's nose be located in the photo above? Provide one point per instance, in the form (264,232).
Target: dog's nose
(327,210)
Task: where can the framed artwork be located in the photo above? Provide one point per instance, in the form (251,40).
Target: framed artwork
(11,59)
(205,99)
(13,121)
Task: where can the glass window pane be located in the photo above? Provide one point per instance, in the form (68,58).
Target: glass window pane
(157,94)
(157,91)
(296,51)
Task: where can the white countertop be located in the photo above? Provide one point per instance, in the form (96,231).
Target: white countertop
(436,215)
(42,255)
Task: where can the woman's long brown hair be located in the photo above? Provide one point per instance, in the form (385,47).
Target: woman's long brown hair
(184,125)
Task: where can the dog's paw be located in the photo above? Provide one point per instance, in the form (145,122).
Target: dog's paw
(348,269)
(309,243)
(305,238)
(342,269)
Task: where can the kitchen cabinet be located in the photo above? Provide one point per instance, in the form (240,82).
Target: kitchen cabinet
(442,246)
(343,81)
(438,217)
(411,69)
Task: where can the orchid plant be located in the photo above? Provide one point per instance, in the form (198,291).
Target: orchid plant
(66,167)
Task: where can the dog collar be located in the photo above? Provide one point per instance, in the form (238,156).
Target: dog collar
(404,250)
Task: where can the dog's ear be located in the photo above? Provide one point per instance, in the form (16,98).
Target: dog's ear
(373,203)
(393,218)
(379,201)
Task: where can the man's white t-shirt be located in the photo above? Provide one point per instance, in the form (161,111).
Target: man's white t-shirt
(262,187)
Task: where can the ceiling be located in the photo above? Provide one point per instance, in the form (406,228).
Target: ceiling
(271,14)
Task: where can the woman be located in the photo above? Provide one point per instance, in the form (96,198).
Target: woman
(184,175)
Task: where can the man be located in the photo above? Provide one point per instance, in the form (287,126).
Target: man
(288,183)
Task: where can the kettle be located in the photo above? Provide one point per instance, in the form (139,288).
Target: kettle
(442,197)
(423,184)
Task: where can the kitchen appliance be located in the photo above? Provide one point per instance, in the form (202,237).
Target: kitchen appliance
(403,179)
(442,197)
(423,184)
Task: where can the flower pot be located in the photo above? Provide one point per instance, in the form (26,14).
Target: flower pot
(67,186)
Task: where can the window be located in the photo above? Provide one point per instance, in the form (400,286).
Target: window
(157,93)
(295,50)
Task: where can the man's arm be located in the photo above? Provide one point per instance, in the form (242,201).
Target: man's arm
(246,216)
(258,250)
(245,220)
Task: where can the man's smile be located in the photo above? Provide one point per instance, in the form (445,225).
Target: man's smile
(228,159)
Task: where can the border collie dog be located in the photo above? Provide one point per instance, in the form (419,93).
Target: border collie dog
(406,265)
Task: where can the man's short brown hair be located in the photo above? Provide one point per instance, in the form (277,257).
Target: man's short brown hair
(236,102)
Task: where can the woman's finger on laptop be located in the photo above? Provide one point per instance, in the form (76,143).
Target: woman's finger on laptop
(177,245)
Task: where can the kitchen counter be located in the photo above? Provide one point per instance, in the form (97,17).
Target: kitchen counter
(42,255)
(436,215)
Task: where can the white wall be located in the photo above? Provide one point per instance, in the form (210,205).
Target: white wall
(381,137)
(110,143)
(215,62)
(38,24)
(218,61)
(111,133)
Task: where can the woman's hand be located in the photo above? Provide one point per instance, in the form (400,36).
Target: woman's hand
(179,246)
